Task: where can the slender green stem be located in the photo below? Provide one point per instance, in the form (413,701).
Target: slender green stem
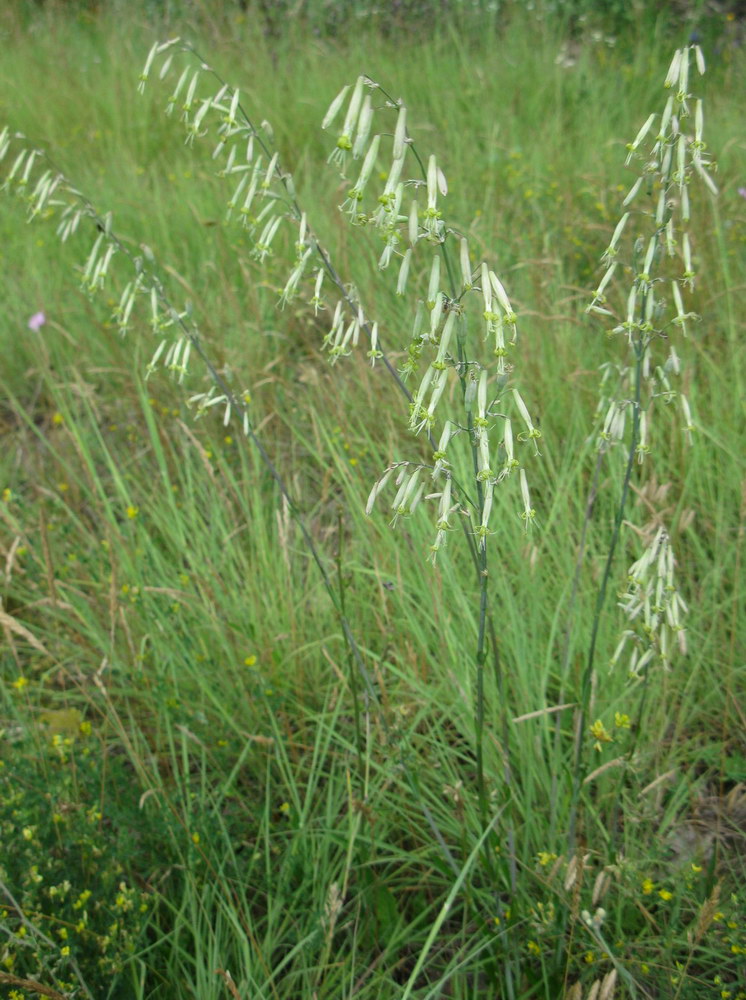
(640,348)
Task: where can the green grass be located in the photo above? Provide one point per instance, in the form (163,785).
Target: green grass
(229,770)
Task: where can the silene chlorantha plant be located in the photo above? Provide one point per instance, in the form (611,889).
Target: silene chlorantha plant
(651,319)
(458,376)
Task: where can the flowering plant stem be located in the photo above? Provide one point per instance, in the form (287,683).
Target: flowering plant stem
(587,676)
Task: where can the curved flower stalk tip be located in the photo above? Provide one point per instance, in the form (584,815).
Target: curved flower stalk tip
(672,158)
(653,239)
(459,305)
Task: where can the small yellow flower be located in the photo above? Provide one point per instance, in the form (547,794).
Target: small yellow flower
(20,683)
(66,950)
(647,886)
(63,487)
(7,495)
(132,512)
(57,419)
(27,833)
(228,439)
(621,721)
(533,948)
(249,661)
(600,734)
(545,858)
(195,838)
(285,808)
(665,895)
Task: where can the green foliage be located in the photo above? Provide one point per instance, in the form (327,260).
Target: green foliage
(71,916)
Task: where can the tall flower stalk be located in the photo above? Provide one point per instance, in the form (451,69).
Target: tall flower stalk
(652,242)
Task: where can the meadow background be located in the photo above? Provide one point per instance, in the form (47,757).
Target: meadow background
(195,801)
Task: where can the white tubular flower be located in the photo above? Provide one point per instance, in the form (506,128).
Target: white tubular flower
(269,176)
(352,111)
(444,508)
(438,388)
(154,360)
(417,402)
(698,124)
(466,282)
(685,211)
(683,92)
(363,128)
(700,59)
(484,280)
(293,281)
(377,488)
(368,163)
(688,269)
(402,482)
(334,108)
(649,256)
(432,183)
(673,71)
(528,513)
(374,354)
(146,69)
(434,285)
(632,192)
(409,488)
(400,134)
(533,433)
(413,229)
(401,284)
(436,315)
(611,251)
(445,339)
(482,396)
(665,120)
(598,295)
(485,471)
(264,245)
(670,238)
(440,455)
(301,242)
(187,105)
(484,527)
(510,459)
(638,139)
(502,297)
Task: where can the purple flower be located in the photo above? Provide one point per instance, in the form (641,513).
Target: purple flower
(742,192)
(37,321)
